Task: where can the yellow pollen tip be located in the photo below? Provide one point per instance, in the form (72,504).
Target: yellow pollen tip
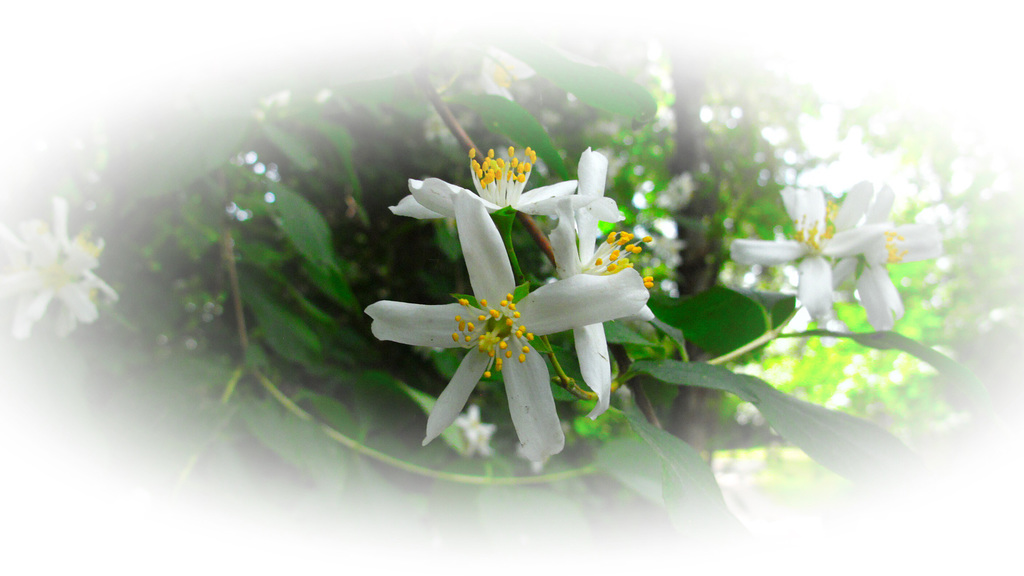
(490,153)
(471,327)
(455,336)
(504,303)
(458,318)
(481,318)
(472,152)
(511,151)
(503,345)
(526,349)
(463,301)
(469,338)
(508,353)
(529,336)
(648,239)
(494,313)
(487,374)
(509,322)
(599,261)
(512,306)
(648,278)
(483,302)
(508,297)
(522,358)
(516,314)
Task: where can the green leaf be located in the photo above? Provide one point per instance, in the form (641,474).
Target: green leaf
(302,223)
(851,447)
(300,443)
(451,435)
(503,116)
(691,493)
(332,282)
(633,463)
(780,306)
(595,85)
(957,373)
(616,332)
(295,149)
(288,334)
(718,320)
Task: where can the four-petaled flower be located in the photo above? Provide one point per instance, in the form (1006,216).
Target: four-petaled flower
(610,256)
(45,265)
(499,332)
(907,243)
(822,232)
(499,183)
(477,433)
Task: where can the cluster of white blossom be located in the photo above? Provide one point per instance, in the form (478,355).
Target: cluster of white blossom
(44,264)
(833,243)
(497,324)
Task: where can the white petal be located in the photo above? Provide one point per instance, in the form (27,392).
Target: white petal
(16,249)
(593,173)
(843,270)
(815,290)
(436,195)
(92,281)
(542,200)
(60,221)
(882,206)
(855,206)
(65,322)
(644,315)
(415,324)
(595,365)
(408,206)
(450,403)
(28,311)
(76,298)
(489,270)
(563,241)
(854,241)
(532,406)
(20,282)
(587,218)
(879,297)
(766,252)
(921,241)
(581,300)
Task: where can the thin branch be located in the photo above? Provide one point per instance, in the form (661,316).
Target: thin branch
(228,255)
(467,143)
(408,466)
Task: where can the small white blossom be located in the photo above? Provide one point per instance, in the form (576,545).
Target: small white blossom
(44,265)
(499,183)
(500,70)
(823,232)
(573,242)
(477,433)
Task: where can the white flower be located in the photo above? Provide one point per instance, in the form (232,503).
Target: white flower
(499,183)
(907,243)
(500,70)
(477,434)
(822,232)
(498,332)
(575,253)
(45,265)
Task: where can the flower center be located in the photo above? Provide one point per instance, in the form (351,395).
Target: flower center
(55,276)
(612,256)
(501,181)
(88,246)
(809,233)
(895,254)
(490,330)
(502,76)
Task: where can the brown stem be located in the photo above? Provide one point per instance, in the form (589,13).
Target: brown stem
(537,234)
(443,110)
(228,254)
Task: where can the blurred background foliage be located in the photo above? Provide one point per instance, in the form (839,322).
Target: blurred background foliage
(292,171)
